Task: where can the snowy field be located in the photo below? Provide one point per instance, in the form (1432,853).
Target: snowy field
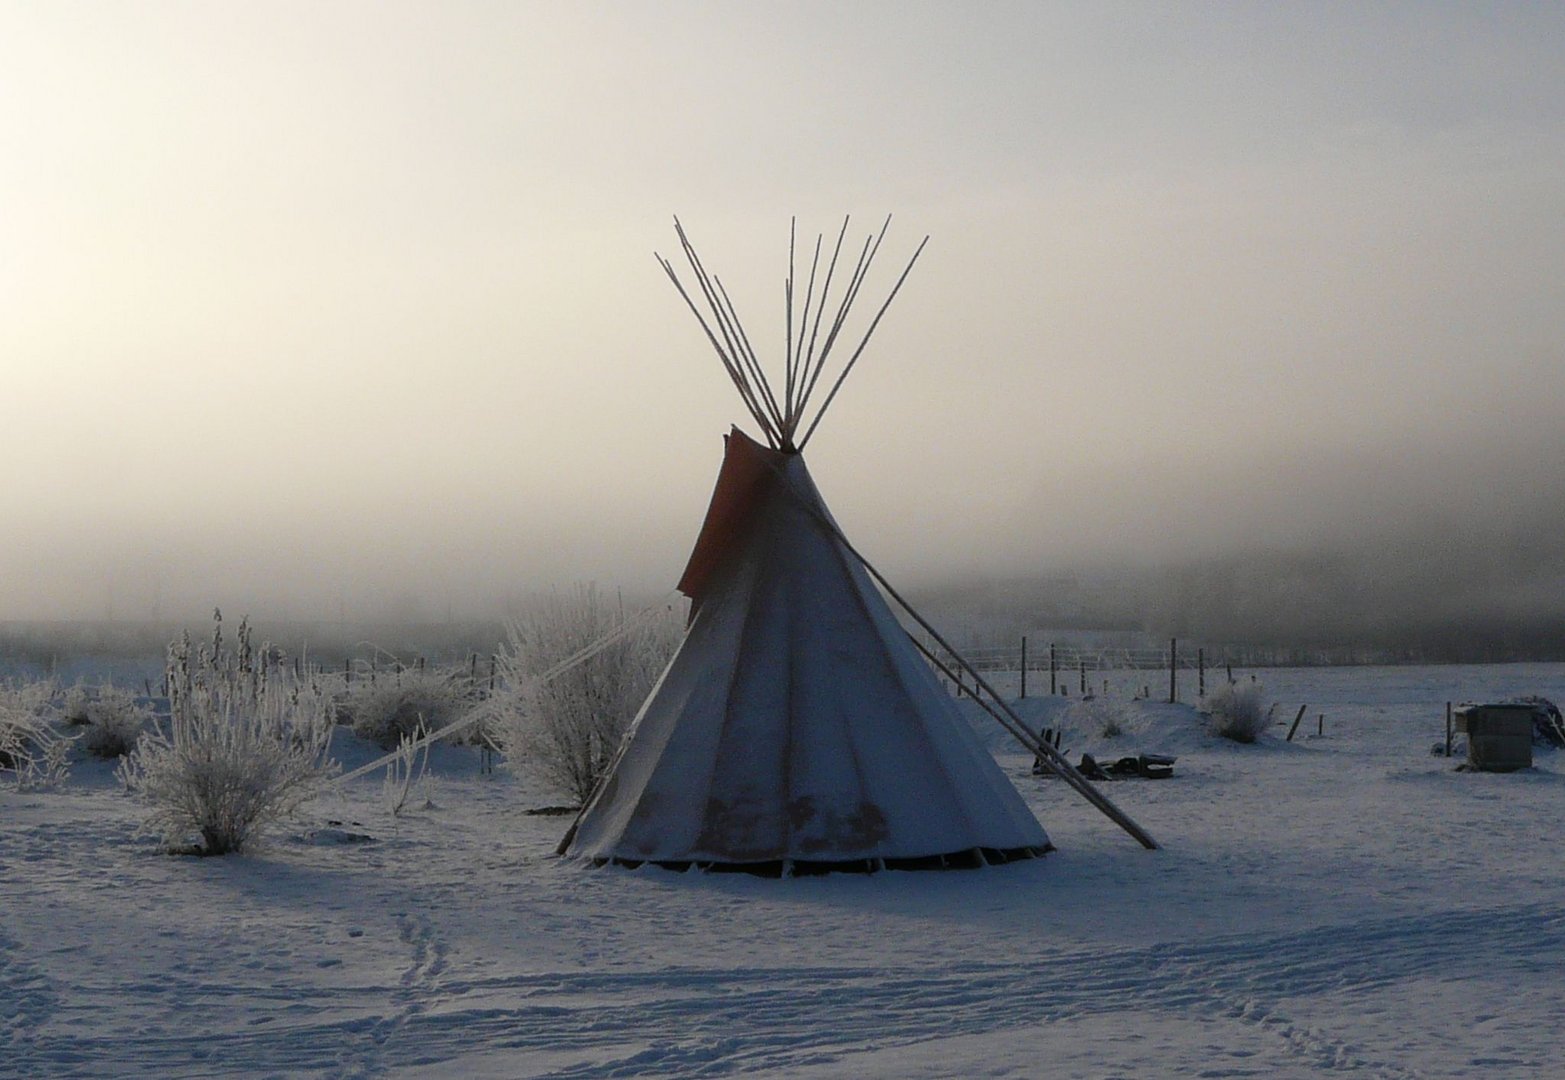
(1345,903)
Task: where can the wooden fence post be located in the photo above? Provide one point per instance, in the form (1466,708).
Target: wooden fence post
(1173,670)
(1200,663)
(1296,720)
(1081,672)
(1053,671)
(1448,729)
(1024,665)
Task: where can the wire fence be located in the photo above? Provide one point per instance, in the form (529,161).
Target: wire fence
(1064,669)
(1070,658)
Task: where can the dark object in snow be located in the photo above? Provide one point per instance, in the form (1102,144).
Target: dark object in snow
(1499,737)
(1153,766)
(333,837)
(1548,726)
(552,811)
(1049,737)
(1090,768)
(1142,766)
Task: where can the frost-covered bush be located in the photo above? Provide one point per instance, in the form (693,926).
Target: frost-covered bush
(32,749)
(1237,711)
(394,706)
(74,711)
(245,746)
(568,727)
(408,772)
(111,722)
(1100,716)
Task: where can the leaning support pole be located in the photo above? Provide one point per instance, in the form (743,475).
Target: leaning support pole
(1042,750)
(1012,723)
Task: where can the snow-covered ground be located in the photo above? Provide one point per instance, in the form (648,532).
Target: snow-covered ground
(1341,903)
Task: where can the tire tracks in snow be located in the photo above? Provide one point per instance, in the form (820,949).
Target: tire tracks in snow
(691,1022)
(720,1021)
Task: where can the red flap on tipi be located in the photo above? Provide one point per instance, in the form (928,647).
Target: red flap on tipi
(747,467)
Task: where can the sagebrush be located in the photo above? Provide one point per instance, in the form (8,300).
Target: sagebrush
(568,727)
(1238,711)
(394,705)
(32,749)
(74,709)
(1099,716)
(245,747)
(112,720)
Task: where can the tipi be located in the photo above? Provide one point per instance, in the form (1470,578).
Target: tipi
(796,730)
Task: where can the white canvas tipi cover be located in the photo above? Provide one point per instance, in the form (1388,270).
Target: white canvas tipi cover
(796,725)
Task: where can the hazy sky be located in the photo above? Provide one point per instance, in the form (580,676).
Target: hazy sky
(321,304)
